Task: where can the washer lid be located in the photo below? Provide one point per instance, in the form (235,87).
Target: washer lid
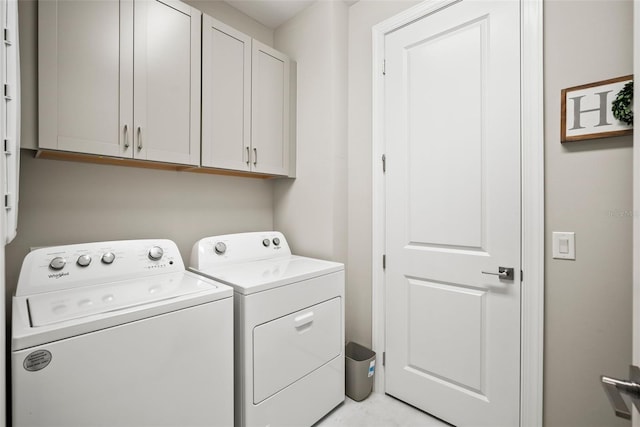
(54,307)
(52,316)
(256,276)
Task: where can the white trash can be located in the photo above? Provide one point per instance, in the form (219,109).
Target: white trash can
(360,367)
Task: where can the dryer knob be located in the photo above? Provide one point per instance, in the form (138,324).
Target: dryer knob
(276,241)
(220,248)
(266,242)
(84,260)
(108,257)
(57,263)
(155,253)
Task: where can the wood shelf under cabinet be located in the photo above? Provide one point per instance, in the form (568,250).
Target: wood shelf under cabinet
(118,161)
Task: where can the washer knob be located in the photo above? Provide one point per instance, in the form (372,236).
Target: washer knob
(220,248)
(84,260)
(266,243)
(155,253)
(276,241)
(108,257)
(57,263)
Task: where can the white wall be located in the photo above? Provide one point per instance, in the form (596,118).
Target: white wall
(312,209)
(233,17)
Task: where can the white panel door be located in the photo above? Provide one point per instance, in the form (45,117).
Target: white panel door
(167,82)
(226,96)
(269,110)
(452,142)
(85,74)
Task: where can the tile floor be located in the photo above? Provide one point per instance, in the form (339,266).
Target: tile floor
(378,410)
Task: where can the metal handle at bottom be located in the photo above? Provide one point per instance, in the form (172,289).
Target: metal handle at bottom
(255,156)
(248,156)
(614,388)
(126,136)
(139,138)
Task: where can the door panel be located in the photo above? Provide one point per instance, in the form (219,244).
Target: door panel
(452,142)
(81,105)
(226,101)
(164,97)
(270,111)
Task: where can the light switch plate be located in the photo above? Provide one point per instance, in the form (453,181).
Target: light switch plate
(564,245)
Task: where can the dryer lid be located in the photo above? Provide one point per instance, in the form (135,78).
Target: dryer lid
(256,276)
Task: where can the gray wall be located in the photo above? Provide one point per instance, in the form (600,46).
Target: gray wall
(588,191)
(312,209)
(65,202)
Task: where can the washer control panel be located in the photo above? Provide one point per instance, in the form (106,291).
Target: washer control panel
(70,266)
(241,247)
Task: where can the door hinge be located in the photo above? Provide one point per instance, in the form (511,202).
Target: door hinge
(521,276)
(384,358)
(6,38)
(384,262)
(384,67)
(7,92)
(384,163)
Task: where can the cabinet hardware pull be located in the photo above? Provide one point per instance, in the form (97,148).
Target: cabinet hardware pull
(126,137)
(255,156)
(248,156)
(139,138)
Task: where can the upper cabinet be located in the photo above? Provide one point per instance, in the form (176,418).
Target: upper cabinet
(269,110)
(226,96)
(245,103)
(120,78)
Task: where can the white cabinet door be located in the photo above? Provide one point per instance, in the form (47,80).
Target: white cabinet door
(269,111)
(85,75)
(226,96)
(167,82)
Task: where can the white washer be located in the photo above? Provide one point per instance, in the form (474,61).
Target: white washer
(119,334)
(289,327)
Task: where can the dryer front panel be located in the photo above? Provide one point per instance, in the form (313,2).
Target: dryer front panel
(291,347)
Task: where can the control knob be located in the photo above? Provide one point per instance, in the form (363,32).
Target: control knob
(57,263)
(155,253)
(220,248)
(108,257)
(266,243)
(276,241)
(83,260)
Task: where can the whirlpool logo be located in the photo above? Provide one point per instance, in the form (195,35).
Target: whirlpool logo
(57,275)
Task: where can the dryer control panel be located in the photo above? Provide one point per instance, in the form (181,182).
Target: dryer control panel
(240,247)
(65,267)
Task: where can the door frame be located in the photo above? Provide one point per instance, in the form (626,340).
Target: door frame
(532,187)
(636,211)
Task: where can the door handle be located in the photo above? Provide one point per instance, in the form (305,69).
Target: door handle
(248,156)
(255,156)
(126,137)
(505,273)
(139,138)
(303,320)
(614,388)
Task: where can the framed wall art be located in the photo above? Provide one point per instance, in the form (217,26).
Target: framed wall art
(586,110)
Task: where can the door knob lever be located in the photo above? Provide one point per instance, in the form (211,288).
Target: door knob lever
(505,273)
(614,388)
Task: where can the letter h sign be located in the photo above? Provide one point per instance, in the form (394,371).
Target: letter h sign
(586,111)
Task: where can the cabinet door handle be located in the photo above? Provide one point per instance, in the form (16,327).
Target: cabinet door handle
(126,137)
(139,138)
(255,156)
(248,156)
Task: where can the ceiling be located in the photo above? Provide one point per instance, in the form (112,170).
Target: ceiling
(271,13)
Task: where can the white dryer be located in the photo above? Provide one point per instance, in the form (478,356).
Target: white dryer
(119,334)
(289,327)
